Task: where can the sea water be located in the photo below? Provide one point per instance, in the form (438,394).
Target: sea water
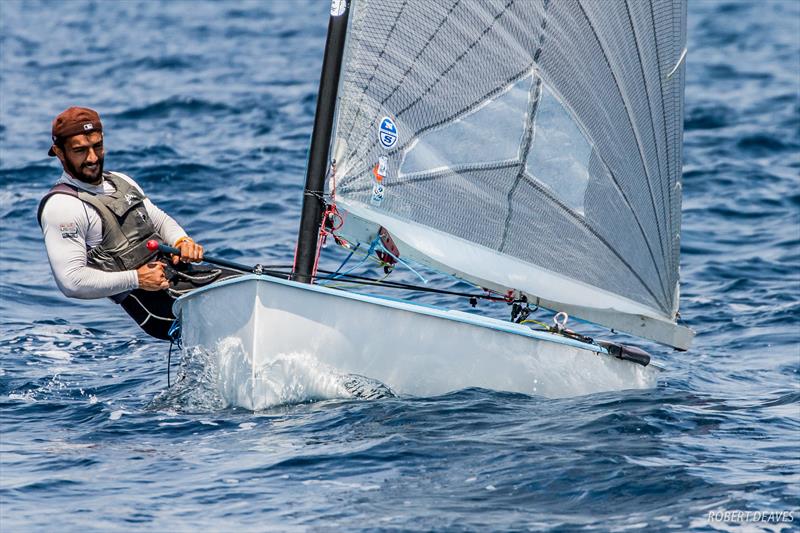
(209,106)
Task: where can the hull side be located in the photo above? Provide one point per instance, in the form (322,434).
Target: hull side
(262,329)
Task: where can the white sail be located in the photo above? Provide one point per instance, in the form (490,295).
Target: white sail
(532,145)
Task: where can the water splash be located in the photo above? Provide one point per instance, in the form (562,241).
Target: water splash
(195,387)
(225,377)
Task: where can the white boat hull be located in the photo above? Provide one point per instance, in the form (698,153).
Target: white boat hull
(263,332)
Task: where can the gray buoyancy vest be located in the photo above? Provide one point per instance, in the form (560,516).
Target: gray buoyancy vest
(126,224)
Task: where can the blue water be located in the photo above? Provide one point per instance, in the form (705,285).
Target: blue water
(209,106)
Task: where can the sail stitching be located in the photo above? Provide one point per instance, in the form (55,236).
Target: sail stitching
(421,177)
(667,216)
(530,126)
(438,79)
(663,106)
(531,181)
(458,59)
(375,67)
(641,153)
(402,78)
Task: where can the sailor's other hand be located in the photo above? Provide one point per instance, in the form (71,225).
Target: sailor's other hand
(191,252)
(151,276)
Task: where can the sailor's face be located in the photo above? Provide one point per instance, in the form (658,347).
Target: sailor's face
(82,157)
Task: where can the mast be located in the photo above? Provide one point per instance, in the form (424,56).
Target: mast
(313,205)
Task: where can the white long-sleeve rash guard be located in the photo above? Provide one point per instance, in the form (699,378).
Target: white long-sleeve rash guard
(71,228)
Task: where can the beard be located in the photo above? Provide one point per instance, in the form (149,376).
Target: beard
(84,174)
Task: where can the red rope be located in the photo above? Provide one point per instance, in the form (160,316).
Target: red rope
(332,220)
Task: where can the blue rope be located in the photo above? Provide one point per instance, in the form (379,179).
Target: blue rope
(338,274)
(174,335)
(377,244)
(443,273)
(420,276)
(174,332)
(346,259)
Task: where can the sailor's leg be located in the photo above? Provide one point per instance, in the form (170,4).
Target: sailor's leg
(152,310)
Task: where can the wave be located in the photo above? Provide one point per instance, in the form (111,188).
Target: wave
(151,63)
(185,105)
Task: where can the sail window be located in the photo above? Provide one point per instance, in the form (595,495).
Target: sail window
(545,132)
(559,155)
(492,132)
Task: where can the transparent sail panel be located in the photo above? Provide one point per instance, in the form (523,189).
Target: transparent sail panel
(559,155)
(543,131)
(493,132)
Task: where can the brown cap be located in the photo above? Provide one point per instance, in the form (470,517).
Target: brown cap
(74,121)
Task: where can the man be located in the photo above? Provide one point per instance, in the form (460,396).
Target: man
(96,225)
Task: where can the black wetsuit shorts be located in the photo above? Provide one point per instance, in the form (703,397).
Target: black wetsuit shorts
(152,310)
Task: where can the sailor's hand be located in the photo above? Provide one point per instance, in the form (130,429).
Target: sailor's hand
(190,251)
(151,277)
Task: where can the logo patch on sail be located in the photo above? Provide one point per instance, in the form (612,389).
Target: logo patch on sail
(377,194)
(387,133)
(378,191)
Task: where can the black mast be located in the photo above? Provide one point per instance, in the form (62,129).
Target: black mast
(313,204)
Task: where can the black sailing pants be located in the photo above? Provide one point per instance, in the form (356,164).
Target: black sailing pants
(152,310)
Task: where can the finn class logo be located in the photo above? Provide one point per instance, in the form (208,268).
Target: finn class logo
(387,133)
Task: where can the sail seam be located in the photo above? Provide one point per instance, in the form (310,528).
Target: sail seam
(375,67)
(531,181)
(399,83)
(667,217)
(663,111)
(421,177)
(438,79)
(460,113)
(530,127)
(458,59)
(639,146)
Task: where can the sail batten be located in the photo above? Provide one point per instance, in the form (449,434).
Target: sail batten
(546,132)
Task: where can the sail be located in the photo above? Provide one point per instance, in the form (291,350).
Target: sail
(531,144)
